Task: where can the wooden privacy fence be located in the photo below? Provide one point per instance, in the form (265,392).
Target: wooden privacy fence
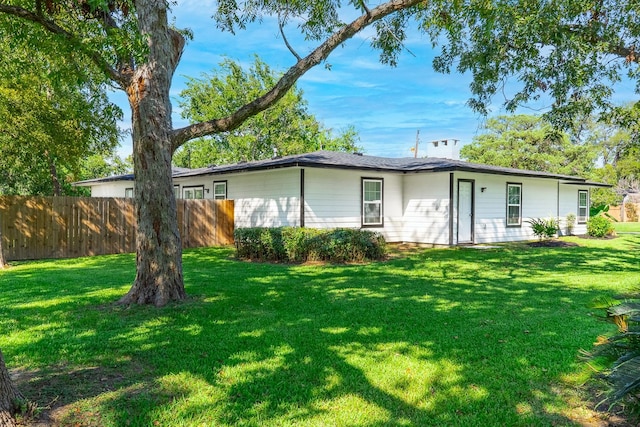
(67,227)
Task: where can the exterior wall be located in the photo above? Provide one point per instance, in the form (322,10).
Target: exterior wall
(416,206)
(426,208)
(569,204)
(540,199)
(262,198)
(110,189)
(333,198)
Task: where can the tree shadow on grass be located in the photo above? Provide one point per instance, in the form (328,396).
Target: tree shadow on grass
(413,341)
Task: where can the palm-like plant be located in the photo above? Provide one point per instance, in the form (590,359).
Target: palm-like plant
(623,349)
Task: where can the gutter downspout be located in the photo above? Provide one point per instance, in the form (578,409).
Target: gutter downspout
(451,209)
(558,209)
(302,198)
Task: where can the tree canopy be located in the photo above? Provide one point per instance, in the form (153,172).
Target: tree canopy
(531,143)
(51,118)
(286,128)
(573,52)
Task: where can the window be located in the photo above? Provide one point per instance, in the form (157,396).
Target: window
(583,206)
(371,202)
(193,192)
(128,192)
(219,190)
(514,205)
(176,191)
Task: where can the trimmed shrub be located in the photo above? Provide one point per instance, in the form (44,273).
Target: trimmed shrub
(294,244)
(599,226)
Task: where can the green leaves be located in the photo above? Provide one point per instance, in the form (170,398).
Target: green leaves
(622,349)
(528,142)
(544,228)
(52,115)
(599,226)
(571,51)
(286,128)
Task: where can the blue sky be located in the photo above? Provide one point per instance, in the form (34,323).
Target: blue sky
(386,105)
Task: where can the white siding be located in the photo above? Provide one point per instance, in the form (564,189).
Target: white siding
(333,199)
(426,208)
(569,204)
(268,198)
(416,206)
(265,199)
(110,189)
(539,200)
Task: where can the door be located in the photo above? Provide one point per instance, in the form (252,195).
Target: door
(465,211)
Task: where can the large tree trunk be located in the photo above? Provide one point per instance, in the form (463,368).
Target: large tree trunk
(158,246)
(10,397)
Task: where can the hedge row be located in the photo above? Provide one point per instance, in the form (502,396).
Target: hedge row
(294,244)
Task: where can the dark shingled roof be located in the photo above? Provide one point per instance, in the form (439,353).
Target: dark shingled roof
(339,160)
(124,177)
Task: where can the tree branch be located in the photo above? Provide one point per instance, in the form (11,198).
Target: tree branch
(229,123)
(628,53)
(54,28)
(286,42)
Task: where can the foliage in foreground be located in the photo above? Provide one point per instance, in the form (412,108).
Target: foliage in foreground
(623,352)
(294,244)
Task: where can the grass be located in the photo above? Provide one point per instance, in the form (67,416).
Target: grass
(628,227)
(462,337)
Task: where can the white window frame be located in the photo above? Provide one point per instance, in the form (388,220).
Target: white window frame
(128,192)
(191,192)
(176,191)
(511,205)
(219,195)
(583,217)
(372,203)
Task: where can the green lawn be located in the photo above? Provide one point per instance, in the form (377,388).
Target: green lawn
(627,227)
(463,337)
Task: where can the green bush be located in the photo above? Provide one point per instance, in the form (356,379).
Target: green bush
(599,226)
(294,244)
(544,228)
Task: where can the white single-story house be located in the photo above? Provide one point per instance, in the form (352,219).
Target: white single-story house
(418,200)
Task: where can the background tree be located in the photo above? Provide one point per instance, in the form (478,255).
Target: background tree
(618,154)
(286,128)
(49,121)
(99,166)
(529,142)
